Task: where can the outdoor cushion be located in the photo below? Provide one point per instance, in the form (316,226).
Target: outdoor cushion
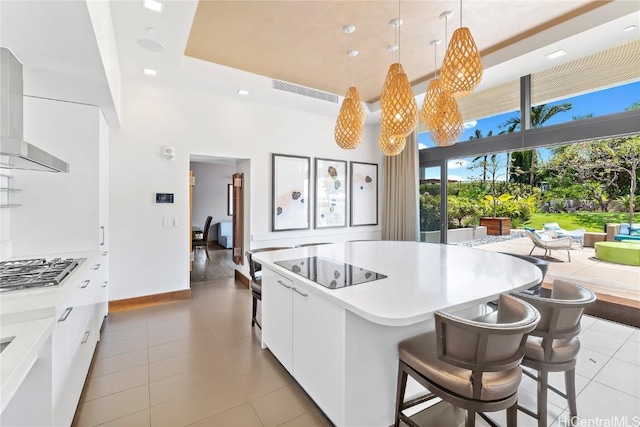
(551,226)
(623,237)
(618,252)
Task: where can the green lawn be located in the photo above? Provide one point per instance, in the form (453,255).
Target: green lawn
(591,221)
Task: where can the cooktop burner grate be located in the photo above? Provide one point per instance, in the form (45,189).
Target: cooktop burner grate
(35,273)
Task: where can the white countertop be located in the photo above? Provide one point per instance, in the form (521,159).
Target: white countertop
(29,317)
(422,277)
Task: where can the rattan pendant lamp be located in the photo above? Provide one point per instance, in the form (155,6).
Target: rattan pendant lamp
(391,144)
(462,67)
(349,128)
(398,107)
(430,103)
(446,123)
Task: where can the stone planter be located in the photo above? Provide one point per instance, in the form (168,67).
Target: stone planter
(497,226)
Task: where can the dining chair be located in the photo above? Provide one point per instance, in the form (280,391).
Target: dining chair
(471,364)
(204,242)
(255,271)
(540,263)
(553,345)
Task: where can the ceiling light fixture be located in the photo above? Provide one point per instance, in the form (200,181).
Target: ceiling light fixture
(154,5)
(446,122)
(462,66)
(242,92)
(398,107)
(630,28)
(556,54)
(430,103)
(151,30)
(349,128)
(149,72)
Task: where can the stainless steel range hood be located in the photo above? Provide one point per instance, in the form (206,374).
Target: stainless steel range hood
(15,152)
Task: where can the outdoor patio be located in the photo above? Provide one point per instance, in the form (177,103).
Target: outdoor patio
(613,283)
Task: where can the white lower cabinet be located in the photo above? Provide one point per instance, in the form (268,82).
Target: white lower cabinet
(306,333)
(102,300)
(73,343)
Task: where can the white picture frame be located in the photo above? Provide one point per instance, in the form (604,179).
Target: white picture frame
(364,194)
(290,192)
(330,207)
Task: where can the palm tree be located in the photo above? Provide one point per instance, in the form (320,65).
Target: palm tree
(539,115)
(478,135)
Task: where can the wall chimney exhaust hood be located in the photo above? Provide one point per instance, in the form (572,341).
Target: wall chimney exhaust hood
(15,152)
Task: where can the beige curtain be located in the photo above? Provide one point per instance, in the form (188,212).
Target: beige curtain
(400,211)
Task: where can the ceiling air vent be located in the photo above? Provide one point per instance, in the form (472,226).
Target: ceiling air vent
(305,91)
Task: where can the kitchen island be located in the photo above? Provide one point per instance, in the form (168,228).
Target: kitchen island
(340,344)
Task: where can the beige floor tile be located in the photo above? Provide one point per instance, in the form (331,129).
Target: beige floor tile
(629,352)
(194,363)
(253,361)
(622,376)
(243,346)
(121,347)
(180,333)
(113,383)
(263,381)
(281,406)
(203,403)
(309,419)
(139,419)
(123,334)
(114,406)
(184,346)
(240,416)
(121,362)
(187,382)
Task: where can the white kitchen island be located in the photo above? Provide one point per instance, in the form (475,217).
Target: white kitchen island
(341,344)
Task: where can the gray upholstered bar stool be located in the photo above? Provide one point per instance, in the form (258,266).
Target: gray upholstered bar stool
(474,365)
(255,270)
(553,346)
(540,263)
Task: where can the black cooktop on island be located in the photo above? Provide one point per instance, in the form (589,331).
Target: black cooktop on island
(330,273)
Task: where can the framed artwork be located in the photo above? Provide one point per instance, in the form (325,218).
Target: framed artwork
(364,194)
(230,199)
(290,191)
(331,193)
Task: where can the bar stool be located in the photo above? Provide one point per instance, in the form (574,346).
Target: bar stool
(540,263)
(553,346)
(255,270)
(474,365)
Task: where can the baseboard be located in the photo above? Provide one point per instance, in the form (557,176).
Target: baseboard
(242,278)
(148,300)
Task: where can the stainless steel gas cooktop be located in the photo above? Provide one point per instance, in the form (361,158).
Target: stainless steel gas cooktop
(35,273)
(330,273)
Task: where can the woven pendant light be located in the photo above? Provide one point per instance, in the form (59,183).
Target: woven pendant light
(448,125)
(462,67)
(391,145)
(349,128)
(430,103)
(398,107)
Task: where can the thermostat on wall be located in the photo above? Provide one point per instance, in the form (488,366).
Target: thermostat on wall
(164,197)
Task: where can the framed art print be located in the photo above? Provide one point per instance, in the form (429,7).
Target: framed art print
(364,194)
(331,193)
(290,191)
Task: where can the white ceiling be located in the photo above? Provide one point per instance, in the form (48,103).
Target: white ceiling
(57,37)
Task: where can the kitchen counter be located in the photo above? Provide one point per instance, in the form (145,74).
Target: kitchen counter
(29,316)
(422,277)
(341,344)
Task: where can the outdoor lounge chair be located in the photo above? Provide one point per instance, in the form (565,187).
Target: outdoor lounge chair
(548,243)
(576,235)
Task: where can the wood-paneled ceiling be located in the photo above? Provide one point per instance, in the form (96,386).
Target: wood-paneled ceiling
(302,41)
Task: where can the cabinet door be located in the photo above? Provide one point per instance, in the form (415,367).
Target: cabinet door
(276,316)
(318,360)
(102,300)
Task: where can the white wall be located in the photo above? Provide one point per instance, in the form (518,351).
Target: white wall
(210,193)
(59,211)
(147,258)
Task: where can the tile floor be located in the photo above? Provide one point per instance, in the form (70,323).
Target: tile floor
(199,363)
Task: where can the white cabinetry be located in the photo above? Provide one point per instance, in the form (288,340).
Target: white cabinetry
(306,333)
(74,339)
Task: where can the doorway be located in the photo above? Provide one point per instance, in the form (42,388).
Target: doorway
(213,192)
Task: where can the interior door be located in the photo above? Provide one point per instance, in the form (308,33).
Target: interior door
(192,182)
(238,218)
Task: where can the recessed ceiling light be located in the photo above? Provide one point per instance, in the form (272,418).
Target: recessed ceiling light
(154,5)
(556,54)
(149,72)
(151,45)
(630,28)
(243,92)
(151,30)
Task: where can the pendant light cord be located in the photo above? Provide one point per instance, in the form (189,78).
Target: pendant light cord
(435,59)
(399,24)
(460,13)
